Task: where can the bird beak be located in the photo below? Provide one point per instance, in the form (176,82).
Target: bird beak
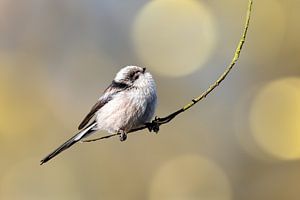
(144,69)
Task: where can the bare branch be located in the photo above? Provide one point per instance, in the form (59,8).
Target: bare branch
(154,125)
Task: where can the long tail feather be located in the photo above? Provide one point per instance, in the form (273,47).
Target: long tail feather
(82,134)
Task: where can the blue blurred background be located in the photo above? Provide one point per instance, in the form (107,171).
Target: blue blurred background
(241,143)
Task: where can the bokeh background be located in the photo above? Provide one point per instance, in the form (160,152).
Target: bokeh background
(241,143)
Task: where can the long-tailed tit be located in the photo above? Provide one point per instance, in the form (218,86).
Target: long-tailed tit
(127,103)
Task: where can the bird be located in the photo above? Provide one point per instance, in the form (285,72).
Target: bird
(127,103)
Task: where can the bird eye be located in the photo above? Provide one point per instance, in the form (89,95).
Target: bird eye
(136,76)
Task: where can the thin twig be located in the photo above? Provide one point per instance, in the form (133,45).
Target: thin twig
(154,125)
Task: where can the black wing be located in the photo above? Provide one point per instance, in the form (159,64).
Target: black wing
(90,115)
(108,94)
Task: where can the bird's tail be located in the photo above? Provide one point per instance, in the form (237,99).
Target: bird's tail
(82,134)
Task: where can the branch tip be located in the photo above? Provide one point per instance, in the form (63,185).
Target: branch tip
(157,121)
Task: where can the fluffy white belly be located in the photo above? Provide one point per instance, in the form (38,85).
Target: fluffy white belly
(122,113)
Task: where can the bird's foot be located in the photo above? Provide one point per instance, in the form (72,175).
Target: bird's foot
(123,136)
(153,126)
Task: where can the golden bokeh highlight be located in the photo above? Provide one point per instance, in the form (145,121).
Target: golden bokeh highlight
(174,37)
(53,70)
(274,118)
(242,127)
(190,177)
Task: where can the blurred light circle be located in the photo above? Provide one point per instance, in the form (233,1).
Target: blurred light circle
(242,127)
(190,177)
(274,118)
(28,180)
(174,37)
